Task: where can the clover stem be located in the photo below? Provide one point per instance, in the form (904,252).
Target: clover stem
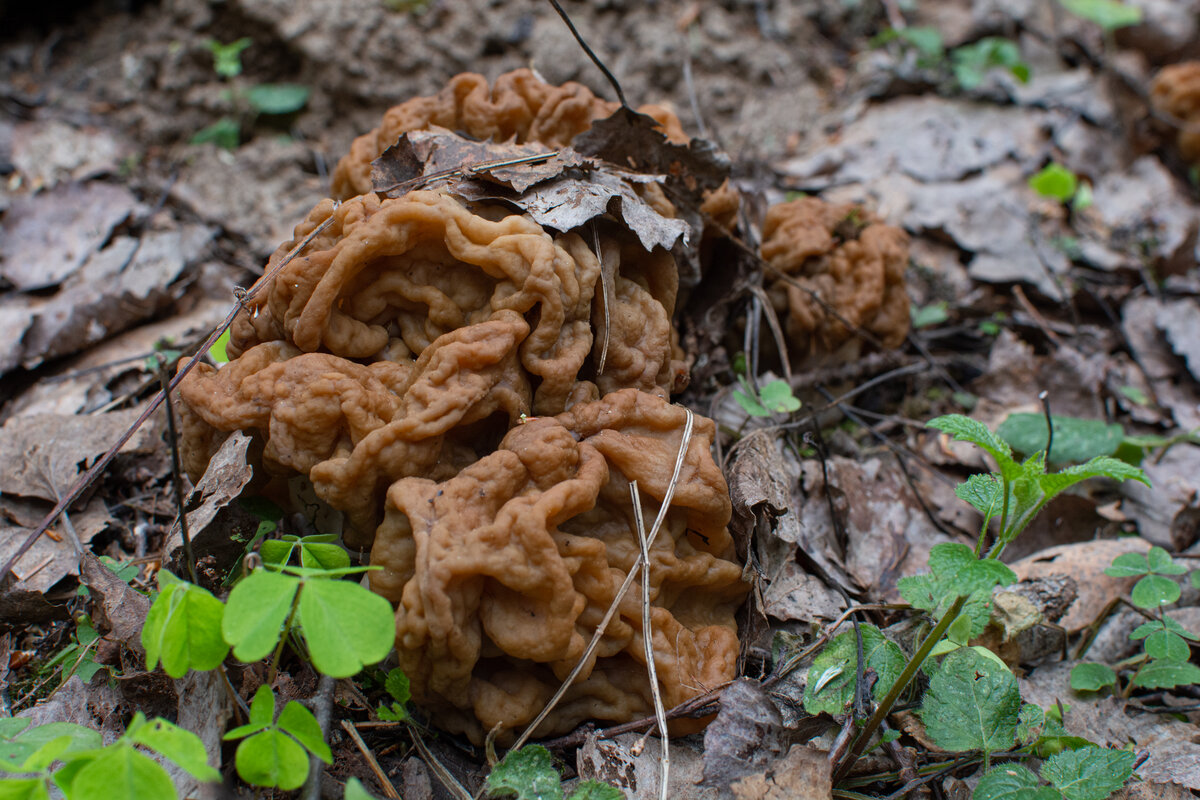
(287,627)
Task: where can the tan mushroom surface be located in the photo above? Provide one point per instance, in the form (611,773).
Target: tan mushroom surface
(476,393)
(1176,91)
(519,106)
(837,268)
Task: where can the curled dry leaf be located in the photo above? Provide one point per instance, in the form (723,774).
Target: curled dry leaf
(746,736)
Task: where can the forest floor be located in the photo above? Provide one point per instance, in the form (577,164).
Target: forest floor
(121,237)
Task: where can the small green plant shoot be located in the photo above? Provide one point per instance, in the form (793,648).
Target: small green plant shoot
(1165,662)
(1108,14)
(271,752)
(772,398)
(529,774)
(1059,183)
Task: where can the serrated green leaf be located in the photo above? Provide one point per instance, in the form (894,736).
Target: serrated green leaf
(303,726)
(1012,782)
(1090,677)
(959,631)
(272,759)
(595,790)
(1128,565)
(1166,675)
(1154,591)
(254,615)
(527,774)
(183,627)
(122,773)
(345,626)
(832,674)
(1161,563)
(1099,467)
(965,429)
(1108,14)
(1089,773)
(397,686)
(972,704)
(1164,645)
(985,492)
(1030,723)
(277,98)
(356,791)
(181,746)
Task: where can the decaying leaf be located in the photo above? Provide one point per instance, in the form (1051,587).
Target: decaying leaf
(746,736)
(802,774)
(1085,562)
(53,555)
(46,237)
(630,762)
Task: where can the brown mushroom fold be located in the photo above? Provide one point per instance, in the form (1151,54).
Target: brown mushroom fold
(520,106)
(467,322)
(837,268)
(503,572)
(1176,91)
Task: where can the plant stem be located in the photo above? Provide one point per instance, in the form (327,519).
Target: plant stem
(287,627)
(910,670)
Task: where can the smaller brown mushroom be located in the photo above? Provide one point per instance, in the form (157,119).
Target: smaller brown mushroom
(836,267)
(1176,91)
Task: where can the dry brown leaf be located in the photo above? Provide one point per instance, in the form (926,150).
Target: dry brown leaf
(46,237)
(1085,562)
(630,762)
(802,774)
(119,609)
(746,736)
(52,556)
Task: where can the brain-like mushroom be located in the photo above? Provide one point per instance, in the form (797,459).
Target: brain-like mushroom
(434,368)
(519,106)
(1176,90)
(837,267)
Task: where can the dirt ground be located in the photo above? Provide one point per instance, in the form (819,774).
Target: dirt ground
(119,233)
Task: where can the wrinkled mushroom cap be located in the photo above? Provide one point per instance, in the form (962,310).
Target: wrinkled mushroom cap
(837,268)
(1176,91)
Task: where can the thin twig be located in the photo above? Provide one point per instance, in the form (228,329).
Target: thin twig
(465,170)
(1044,398)
(102,463)
(176,471)
(322,710)
(684,442)
(452,785)
(380,776)
(595,59)
(664,762)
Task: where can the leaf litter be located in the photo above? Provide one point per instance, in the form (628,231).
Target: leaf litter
(822,528)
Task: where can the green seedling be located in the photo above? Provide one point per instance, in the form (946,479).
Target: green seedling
(397,686)
(78,657)
(529,774)
(1059,183)
(269,99)
(1086,773)
(930,315)
(72,759)
(772,398)
(271,752)
(1018,491)
(343,625)
(1108,14)
(972,62)
(1165,662)
(183,628)
(227,58)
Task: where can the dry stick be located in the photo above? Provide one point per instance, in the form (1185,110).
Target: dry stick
(612,609)
(92,474)
(388,788)
(1038,319)
(664,763)
(176,471)
(910,670)
(610,295)
(595,59)
(439,769)
(768,311)
(1044,398)
(464,170)
(323,709)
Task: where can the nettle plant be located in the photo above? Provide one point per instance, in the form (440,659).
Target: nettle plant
(972,702)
